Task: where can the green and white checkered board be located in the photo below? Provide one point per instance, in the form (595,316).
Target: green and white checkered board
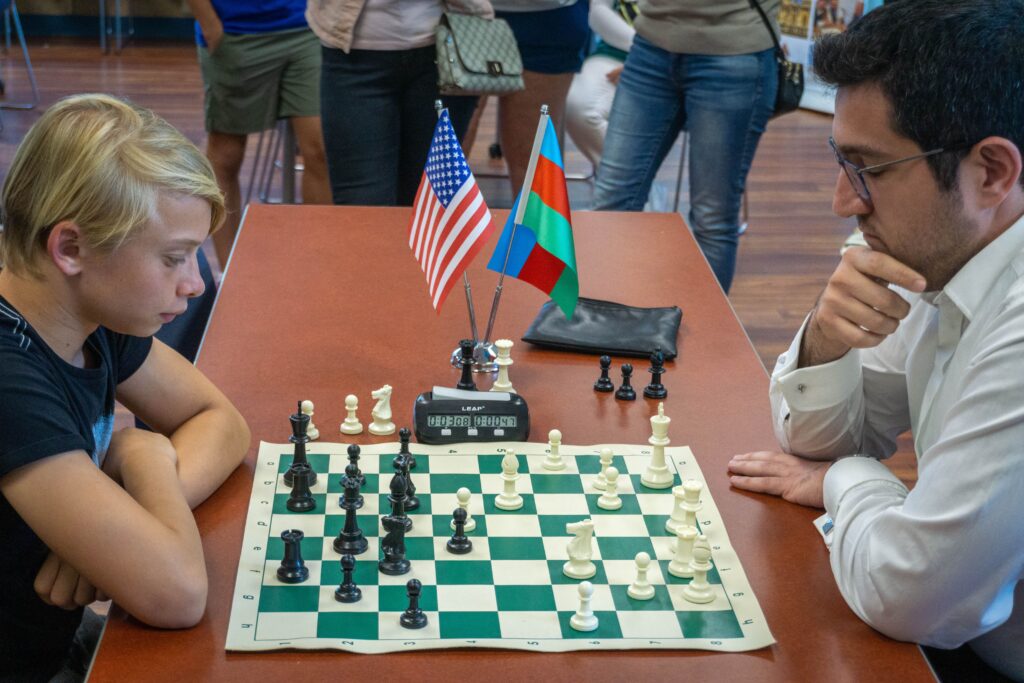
(509,592)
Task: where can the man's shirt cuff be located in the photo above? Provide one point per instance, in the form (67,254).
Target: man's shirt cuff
(848,473)
(819,386)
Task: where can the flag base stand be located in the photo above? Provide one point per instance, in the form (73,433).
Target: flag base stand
(484,355)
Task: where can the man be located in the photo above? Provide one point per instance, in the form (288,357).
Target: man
(923,330)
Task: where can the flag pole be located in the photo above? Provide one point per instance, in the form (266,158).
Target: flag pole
(531,170)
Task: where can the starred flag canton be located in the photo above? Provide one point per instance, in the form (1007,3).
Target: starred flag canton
(446,168)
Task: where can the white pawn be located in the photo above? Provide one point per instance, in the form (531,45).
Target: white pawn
(680,564)
(584,619)
(641,588)
(351,425)
(610,500)
(504,349)
(601,481)
(508,499)
(553,460)
(311,431)
(699,590)
(463,495)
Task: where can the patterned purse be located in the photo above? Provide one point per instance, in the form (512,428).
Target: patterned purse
(477,56)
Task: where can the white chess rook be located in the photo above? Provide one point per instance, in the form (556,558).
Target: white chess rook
(680,564)
(687,503)
(699,590)
(381,412)
(641,588)
(508,499)
(351,425)
(601,480)
(504,348)
(580,550)
(311,431)
(463,495)
(658,475)
(553,460)
(610,500)
(584,619)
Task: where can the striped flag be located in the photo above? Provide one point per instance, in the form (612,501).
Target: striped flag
(450,220)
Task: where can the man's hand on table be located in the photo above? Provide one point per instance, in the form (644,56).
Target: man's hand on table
(796,479)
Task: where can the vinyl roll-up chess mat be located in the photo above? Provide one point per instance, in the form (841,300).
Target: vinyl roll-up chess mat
(509,591)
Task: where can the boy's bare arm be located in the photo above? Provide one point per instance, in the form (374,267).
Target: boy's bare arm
(209,23)
(209,434)
(138,544)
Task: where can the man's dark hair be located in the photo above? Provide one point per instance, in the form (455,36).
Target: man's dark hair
(952,69)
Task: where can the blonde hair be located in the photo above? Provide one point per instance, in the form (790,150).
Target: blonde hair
(100,162)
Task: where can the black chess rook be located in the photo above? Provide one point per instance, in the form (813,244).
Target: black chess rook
(301,499)
(292,569)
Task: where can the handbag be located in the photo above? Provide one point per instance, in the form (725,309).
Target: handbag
(607,327)
(791,74)
(477,56)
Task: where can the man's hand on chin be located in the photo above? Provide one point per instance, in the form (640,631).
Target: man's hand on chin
(796,479)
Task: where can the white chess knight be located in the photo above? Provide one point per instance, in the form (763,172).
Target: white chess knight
(641,588)
(381,412)
(351,425)
(504,350)
(601,480)
(553,460)
(311,431)
(584,619)
(658,475)
(680,564)
(580,550)
(508,499)
(463,495)
(699,590)
(687,502)
(610,500)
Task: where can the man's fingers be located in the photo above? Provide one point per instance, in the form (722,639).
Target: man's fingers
(770,485)
(885,267)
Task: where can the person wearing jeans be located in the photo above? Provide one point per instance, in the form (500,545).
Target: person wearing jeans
(707,68)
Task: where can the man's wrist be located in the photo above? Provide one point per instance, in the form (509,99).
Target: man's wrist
(815,347)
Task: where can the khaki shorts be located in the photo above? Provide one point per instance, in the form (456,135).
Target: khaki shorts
(252,80)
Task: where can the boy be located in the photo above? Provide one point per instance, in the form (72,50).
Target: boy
(104,208)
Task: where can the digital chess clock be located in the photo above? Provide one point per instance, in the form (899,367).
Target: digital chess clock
(454,416)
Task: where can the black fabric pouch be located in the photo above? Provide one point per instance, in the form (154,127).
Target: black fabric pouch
(607,327)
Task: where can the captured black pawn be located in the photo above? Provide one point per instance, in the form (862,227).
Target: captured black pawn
(466,350)
(413,616)
(459,543)
(300,422)
(404,436)
(656,389)
(351,540)
(348,591)
(393,543)
(292,569)
(301,499)
(626,391)
(353,459)
(603,383)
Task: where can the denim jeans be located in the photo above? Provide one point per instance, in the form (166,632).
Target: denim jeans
(377,113)
(724,102)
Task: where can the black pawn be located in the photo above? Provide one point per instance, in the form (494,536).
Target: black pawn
(626,392)
(459,543)
(413,617)
(301,500)
(466,350)
(300,422)
(603,383)
(348,591)
(656,389)
(353,459)
(351,540)
(292,569)
(404,435)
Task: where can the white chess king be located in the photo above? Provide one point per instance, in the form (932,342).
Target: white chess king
(658,475)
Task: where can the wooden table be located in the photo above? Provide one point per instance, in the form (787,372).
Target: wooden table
(320,302)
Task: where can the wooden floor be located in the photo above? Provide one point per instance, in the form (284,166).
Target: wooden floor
(786,255)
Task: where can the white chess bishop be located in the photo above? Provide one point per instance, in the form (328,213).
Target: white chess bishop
(508,499)
(580,550)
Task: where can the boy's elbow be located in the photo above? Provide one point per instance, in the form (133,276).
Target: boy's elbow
(176,604)
(244,436)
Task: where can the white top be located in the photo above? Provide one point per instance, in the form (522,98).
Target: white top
(610,25)
(938,565)
(396,24)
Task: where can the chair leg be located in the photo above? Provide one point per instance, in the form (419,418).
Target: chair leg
(28,65)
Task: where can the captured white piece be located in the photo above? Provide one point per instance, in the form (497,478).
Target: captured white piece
(504,348)
(381,412)
(658,475)
(601,480)
(699,590)
(584,619)
(641,588)
(508,499)
(463,495)
(553,460)
(610,500)
(351,424)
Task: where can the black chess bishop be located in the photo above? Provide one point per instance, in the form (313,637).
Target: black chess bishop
(656,389)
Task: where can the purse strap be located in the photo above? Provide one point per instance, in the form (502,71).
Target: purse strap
(768,25)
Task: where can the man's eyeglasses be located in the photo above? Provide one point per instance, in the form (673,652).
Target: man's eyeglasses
(855,173)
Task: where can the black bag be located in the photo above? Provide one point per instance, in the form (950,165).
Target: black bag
(791,74)
(607,327)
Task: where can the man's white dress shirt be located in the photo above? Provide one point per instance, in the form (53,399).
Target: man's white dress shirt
(938,565)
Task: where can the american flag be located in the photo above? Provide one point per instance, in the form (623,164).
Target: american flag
(450,220)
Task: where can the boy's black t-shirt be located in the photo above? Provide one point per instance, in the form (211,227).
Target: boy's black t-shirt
(47,406)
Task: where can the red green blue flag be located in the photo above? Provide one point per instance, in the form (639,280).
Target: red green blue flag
(542,250)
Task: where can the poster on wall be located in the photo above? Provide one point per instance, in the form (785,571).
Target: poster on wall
(804,21)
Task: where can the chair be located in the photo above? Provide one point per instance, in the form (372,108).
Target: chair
(275,150)
(10,10)
(106,28)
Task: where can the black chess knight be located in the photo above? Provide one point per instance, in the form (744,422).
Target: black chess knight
(393,543)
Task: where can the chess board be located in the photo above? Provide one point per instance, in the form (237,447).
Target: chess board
(509,592)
